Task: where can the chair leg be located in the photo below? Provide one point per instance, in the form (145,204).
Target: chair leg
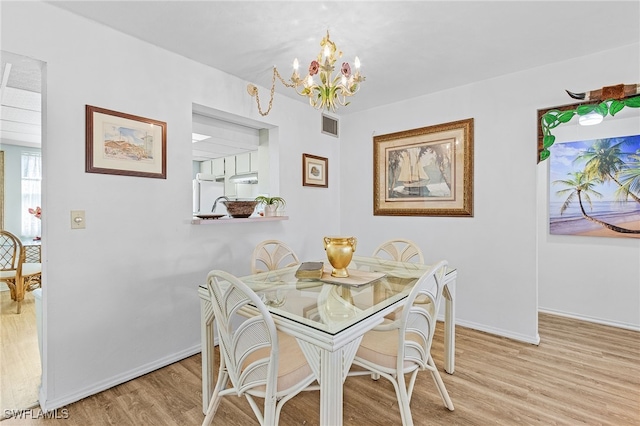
(271,413)
(223,376)
(403,401)
(20,292)
(12,290)
(440,385)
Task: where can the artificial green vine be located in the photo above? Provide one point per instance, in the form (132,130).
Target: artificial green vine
(554,117)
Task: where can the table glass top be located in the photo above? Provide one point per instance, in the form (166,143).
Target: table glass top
(331,307)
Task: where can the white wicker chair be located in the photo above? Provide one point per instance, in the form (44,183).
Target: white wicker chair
(272,254)
(401,250)
(256,359)
(403,346)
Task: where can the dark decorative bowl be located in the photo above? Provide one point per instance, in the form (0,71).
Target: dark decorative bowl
(240,209)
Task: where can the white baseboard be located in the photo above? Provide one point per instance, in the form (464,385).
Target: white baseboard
(52,404)
(626,326)
(534,340)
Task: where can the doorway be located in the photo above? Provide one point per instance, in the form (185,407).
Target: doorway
(21,93)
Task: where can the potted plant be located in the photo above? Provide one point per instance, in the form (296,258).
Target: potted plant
(271,204)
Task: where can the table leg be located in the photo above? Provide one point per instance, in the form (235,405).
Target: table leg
(208,352)
(331,392)
(330,368)
(449,327)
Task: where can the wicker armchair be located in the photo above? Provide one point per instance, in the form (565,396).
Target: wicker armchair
(272,254)
(401,250)
(256,360)
(403,347)
(19,275)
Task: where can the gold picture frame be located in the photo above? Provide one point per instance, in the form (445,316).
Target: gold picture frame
(315,171)
(424,172)
(125,144)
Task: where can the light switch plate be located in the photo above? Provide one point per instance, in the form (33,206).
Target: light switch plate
(77,219)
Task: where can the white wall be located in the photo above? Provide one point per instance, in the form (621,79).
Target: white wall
(591,278)
(495,251)
(120,296)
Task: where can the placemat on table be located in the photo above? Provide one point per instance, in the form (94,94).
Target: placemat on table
(355,278)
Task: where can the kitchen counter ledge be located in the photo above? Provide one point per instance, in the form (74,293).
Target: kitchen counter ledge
(198,221)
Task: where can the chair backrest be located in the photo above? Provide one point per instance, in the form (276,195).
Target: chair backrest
(11,251)
(418,319)
(249,343)
(399,249)
(272,254)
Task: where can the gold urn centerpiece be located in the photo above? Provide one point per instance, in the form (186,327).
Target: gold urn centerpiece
(339,252)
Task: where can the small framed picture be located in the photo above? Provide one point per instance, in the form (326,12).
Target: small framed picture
(125,144)
(315,171)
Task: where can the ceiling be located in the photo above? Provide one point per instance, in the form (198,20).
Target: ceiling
(407,49)
(20,103)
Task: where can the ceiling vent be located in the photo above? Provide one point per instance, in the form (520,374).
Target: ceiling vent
(329,125)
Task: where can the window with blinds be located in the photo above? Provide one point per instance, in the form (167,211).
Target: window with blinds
(31,178)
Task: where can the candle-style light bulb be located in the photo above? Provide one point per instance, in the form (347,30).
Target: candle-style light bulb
(327,51)
(357,63)
(295,64)
(309,80)
(344,80)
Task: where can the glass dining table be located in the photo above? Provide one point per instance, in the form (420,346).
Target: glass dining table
(328,319)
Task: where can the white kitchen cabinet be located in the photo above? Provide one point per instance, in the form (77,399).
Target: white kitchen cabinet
(218,166)
(254,161)
(229,170)
(206,167)
(243,163)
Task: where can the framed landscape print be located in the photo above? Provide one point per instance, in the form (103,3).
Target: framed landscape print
(125,144)
(424,172)
(315,171)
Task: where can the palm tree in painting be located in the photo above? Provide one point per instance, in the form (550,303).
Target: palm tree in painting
(442,152)
(578,186)
(630,176)
(394,170)
(604,161)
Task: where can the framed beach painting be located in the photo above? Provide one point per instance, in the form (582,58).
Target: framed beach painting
(594,187)
(424,172)
(125,144)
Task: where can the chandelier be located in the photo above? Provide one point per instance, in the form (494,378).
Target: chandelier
(324,89)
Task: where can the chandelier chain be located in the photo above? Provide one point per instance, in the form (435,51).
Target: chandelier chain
(273,89)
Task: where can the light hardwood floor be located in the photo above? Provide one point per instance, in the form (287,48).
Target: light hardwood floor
(580,374)
(19,357)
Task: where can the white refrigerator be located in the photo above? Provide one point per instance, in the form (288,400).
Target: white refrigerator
(205,192)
